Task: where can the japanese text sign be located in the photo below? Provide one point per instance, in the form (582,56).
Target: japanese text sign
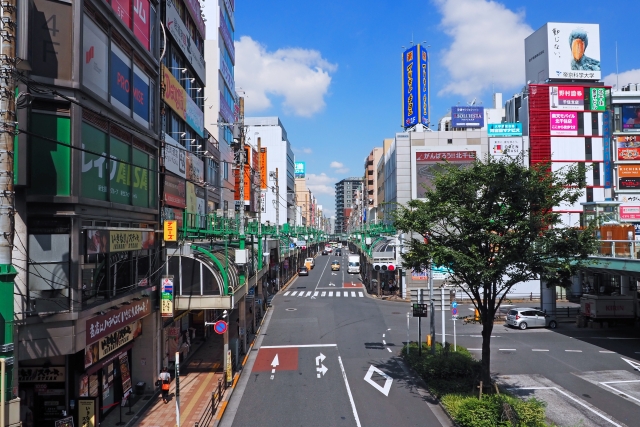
(504,129)
(100,326)
(565,123)
(170,230)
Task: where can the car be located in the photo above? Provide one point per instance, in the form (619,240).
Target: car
(303,271)
(324,252)
(335,266)
(329,249)
(310,261)
(338,252)
(527,317)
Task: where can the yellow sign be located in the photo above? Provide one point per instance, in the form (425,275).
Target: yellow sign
(120,241)
(87,413)
(174,94)
(229,370)
(170,230)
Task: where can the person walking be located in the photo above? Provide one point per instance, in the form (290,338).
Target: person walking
(164,379)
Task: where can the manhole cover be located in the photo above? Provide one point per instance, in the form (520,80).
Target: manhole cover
(396,312)
(291,309)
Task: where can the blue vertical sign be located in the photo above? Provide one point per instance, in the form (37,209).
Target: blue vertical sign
(410,87)
(424,85)
(606,145)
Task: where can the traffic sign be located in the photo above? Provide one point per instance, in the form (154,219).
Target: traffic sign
(420,310)
(454,311)
(220,327)
(454,304)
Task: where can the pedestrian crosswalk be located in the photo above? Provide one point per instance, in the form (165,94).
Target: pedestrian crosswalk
(325,294)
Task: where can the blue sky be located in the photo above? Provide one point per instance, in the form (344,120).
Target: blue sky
(331,70)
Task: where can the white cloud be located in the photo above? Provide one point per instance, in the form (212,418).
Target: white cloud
(487,46)
(305,150)
(342,170)
(321,184)
(301,77)
(625,77)
(336,165)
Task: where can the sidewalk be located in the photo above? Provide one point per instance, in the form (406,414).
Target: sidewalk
(198,378)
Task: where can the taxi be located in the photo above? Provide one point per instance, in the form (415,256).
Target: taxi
(335,266)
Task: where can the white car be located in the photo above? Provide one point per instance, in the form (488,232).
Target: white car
(311,261)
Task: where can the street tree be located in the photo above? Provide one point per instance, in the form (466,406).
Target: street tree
(493,225)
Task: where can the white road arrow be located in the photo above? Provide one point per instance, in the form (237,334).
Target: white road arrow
(635,365)
(387,383)
(322,370)
(274,364)
(320,358)
(331,284)
(334,274)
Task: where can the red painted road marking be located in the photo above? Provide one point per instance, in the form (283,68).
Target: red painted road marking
(287,359)
(352,285)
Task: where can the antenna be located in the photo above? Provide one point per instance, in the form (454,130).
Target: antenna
(617,72)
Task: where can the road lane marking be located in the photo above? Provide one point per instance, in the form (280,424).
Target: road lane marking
(383,335)
(287,293)
(353,294)
(308,293)
(384,342)
(346,382)
(387,379)
(360,294)
(315,294)
(323,293)
(619,391)
(474,349)
(573,351)
(538,349)
(330,293)
(338,293)
(389,350)
(507,349)
(300,345)
(293,294)
(607,352)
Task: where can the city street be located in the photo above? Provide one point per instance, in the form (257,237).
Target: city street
(330,359)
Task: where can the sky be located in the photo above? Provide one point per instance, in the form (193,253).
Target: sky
(331,70)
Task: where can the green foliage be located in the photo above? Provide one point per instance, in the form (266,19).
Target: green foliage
(469,411)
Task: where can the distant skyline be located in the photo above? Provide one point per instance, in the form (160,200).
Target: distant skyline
(331,71)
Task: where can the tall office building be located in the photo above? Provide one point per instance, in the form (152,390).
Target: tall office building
(345,198)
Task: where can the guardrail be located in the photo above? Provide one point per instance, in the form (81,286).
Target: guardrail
(619,249)
(216,397)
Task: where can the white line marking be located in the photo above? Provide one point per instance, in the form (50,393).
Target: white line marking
(353,294)
(360,294)
(321,274)
(570,397)
(346,382)
(301,346)
(538,349)
(308,293)
(621,392)
(573,351)
(293,294)
(607,352)
(389,329)
(338,293)
(287,293)
(330,293)
(384,342)
(323,293)
(301,294)
(389,350)
(383,335)
(507,349)
(387,380)
(474,349)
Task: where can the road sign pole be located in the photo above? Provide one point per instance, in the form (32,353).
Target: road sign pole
(432,314)
(408,313)
(442,309)
(455,348)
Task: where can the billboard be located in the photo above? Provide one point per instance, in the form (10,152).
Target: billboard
(563,51)
(140,95)
(410,87)
(631,118)
(504,129)
(424,85)
(96,57)
(175,157)
(181,35)
(194,117)
(300,169)
(566,98)
(427,164)
(563,123)
(195,168)
(467,117)
(174,95)
(628,148)
(511,147)
(120,78)
(175,192)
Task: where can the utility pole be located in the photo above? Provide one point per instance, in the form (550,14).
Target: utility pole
(278,224)
(8,131)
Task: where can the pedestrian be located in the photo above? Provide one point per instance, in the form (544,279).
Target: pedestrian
(164,379)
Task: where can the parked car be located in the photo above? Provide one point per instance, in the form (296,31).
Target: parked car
(329,249)
(310,261)
(335,266)
(527,317)
(303,271)
(338,252)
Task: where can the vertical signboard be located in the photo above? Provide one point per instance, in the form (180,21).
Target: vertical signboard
(411,87)
(170,230)
(194,117)
(166,296)
(175,157)
(95,59)
(262,158)
(120,79)
(300,169)
(424,85)
(181,35)
(140,95)
(50,46)
(606,147)
(566,98)
(597,98)
(87,412)
(174,95)
(141,21)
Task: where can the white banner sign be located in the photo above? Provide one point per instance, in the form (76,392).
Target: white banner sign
(180,34)
(511,147)
(175,157)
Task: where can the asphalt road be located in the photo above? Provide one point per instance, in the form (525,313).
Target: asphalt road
(329,360)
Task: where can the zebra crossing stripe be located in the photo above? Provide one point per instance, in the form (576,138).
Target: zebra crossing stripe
(308,294)
(338,293)
(301,294)
(315,294)
(353,294)
(360,294)
(323,294)
(293,294)
(287,293)
(330,293)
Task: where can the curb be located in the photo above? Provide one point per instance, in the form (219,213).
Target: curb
(217,416)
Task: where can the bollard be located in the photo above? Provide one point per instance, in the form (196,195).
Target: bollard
(476,315)
(428,340)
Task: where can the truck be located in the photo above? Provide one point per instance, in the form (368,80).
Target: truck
(354,264)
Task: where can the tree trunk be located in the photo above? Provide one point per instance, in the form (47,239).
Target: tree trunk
(487,328)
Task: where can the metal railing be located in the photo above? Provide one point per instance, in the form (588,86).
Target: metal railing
(216,397)
(619,249)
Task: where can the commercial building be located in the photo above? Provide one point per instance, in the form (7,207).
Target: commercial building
(371,185)
(345,196)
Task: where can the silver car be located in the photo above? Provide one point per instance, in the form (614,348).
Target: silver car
(524,318)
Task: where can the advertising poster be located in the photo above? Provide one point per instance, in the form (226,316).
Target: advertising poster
(411,87)
(195,168)
(424,85)
(181,35)
(628,147)
(564,123)
(500,147)
(140,95)
(175,157)
(419,275)
(141,22)
(174,95)
(97,242)
(166,296)
(566,98)
(125,375)
(504,129)
(95,74)
(630,213)
(195,117)
(175,192)
(429,163)
(200,201)
(87,412)
(300,169)
(631,118)
(120,79)
(191,198)
(262,165)
(84,386)
(64,422)
(467,117)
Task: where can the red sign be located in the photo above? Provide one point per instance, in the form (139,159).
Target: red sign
(630,212)
(287,359)
(141,21)
(571,96)
(100,326)
(449,156)
(220,327)
(175,192)
(629,153)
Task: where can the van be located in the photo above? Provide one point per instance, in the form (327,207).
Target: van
(354,264)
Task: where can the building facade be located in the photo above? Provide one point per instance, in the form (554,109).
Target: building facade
(346,190)
(371,185)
